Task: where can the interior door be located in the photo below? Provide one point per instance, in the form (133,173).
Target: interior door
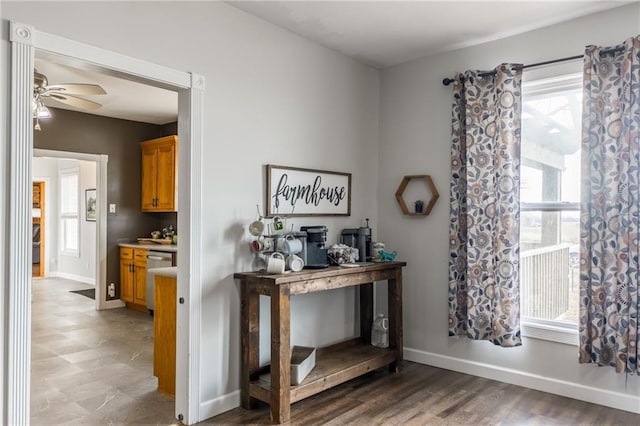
(37,258)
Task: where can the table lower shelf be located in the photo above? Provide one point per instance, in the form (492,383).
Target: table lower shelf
(335,364)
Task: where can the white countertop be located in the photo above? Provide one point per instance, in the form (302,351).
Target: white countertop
(172,248)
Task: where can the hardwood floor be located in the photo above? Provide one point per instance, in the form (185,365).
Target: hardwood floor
(423,395)
(91,367)
(94,368)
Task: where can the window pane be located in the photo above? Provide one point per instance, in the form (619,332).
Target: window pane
(70,234)
(549,265)
(551,146)
(69,194)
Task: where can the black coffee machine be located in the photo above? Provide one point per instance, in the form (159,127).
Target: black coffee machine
(359,238)
(316,250)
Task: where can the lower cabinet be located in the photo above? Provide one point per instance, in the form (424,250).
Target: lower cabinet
(133,277)
(164,334)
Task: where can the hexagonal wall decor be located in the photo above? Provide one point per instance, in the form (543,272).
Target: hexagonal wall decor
(430,185)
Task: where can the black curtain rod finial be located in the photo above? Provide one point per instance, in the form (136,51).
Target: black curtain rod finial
(447,81)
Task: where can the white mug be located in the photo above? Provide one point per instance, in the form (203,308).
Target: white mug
(275,263)
(262,244)
(291,245)
(295,263)
(256,228)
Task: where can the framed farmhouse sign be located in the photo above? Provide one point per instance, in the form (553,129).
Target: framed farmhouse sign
(292,191)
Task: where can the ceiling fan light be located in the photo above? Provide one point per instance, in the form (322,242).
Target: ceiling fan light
(42,111)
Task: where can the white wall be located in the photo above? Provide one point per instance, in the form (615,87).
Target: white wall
(271,97)
(415,128)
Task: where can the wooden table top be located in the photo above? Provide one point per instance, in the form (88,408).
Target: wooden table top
(311,274)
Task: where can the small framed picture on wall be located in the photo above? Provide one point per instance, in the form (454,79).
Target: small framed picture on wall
(91,204)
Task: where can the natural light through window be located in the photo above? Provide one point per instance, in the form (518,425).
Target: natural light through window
(550,197)
(69,187)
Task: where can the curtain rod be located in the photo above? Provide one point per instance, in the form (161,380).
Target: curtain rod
(447,81)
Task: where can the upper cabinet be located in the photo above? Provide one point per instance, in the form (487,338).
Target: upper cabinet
(160,174)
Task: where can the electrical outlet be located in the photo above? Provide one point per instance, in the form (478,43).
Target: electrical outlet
(112,208)
(112,290)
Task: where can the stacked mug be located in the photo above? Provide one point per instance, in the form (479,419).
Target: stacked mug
(291,246)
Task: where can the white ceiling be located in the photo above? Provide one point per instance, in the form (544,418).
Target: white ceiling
(127,100)
(387,33)
(377,33)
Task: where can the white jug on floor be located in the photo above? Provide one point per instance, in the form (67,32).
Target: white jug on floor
(380,332)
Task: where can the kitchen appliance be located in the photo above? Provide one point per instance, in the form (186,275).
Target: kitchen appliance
(155,259)
(359,238)
(316,252)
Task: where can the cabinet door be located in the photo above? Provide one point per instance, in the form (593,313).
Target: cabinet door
(140,277)
(140,285)
(149,184)
(126,281)
(166,178)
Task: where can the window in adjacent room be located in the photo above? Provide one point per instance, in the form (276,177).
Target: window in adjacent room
(550,202)
(69,207)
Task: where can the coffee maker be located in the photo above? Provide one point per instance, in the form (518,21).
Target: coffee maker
(359,238)
(316,250)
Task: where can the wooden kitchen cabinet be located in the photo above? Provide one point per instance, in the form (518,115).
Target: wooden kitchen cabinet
(159,174)
(164,333)
(133,277)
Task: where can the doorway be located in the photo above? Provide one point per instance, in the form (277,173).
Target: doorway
(38,226)
(24,40)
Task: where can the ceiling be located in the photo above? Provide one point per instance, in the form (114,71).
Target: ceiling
(376,33)
(127,100)
(387,33)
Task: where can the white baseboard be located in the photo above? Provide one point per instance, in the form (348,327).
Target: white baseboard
(86,280)
(607,398)
(219,405)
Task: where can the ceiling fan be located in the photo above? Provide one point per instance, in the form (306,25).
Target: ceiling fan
(66,93)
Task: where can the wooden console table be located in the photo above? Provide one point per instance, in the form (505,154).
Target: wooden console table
(335,364)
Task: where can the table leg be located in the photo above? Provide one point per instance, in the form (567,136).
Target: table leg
(395,319)
(280,354)
(250,332)
(366,312)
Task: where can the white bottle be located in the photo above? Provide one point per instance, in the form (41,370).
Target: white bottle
(380,332)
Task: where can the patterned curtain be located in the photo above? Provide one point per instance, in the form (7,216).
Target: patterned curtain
(484,298)
(610,217)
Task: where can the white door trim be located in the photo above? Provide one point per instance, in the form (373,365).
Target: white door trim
(24,40)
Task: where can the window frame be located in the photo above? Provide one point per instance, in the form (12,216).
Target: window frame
(63,216)
(538,328)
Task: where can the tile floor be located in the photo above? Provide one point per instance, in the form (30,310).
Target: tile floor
(91,367)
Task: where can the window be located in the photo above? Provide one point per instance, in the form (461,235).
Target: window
(69,207)
(550,203)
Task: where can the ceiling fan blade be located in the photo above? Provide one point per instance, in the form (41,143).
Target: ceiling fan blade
(74,101)
(77,89)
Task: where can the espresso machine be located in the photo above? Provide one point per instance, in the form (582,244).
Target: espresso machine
(316,250)
(359,238)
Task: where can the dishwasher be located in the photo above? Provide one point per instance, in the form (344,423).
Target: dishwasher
(155,259)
